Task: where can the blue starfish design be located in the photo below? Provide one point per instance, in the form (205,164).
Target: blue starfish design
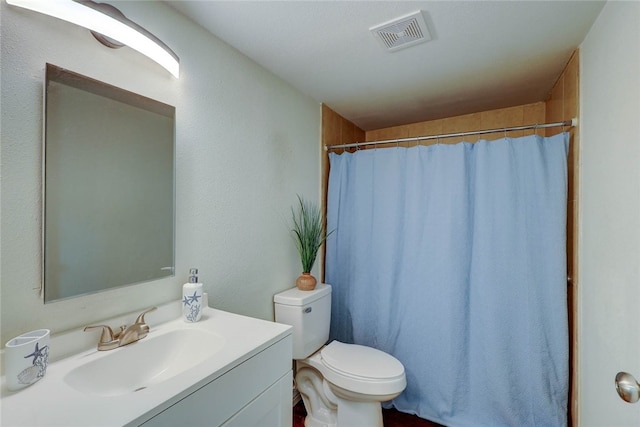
(194,297)
(186,300)
(38,352)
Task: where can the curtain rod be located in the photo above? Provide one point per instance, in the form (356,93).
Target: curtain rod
(569,123)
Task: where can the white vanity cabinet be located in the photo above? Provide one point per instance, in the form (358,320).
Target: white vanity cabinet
(256,392)
(225,370)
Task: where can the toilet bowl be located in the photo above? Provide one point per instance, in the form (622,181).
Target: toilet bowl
(342,385)
(353,380)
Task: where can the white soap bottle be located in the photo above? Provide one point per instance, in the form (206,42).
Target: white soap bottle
(192,298)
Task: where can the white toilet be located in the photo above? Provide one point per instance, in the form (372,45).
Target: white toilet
(341,384)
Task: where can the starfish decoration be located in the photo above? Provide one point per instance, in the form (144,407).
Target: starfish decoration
(193,314)
(186,300)
(194,297)
(38,352)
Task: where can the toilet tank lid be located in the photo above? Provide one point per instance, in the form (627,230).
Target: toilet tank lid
(295,296)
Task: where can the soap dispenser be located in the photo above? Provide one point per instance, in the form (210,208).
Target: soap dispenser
(192,298)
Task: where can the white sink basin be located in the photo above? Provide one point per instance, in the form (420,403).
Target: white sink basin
(144,363)
(130,385)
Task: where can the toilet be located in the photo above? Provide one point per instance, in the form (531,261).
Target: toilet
(342,385)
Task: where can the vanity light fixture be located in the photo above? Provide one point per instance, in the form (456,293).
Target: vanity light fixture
(109,26)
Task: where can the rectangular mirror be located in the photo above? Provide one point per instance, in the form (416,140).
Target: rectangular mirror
(108,186)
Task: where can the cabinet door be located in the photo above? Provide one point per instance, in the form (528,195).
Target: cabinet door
(222,399)
(273,408)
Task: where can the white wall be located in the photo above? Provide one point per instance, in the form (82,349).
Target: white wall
(246,144)
(609,247)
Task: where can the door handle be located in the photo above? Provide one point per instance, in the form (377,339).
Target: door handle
(627,387)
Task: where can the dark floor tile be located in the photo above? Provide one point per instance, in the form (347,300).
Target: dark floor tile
(391,418)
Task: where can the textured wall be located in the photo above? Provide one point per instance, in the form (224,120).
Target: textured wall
(246,143)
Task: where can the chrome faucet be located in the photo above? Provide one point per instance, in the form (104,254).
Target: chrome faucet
(125,335)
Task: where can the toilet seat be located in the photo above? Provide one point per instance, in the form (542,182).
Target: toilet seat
(359,361)
(362,369)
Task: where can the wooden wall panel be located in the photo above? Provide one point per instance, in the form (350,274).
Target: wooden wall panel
(493,119)
(336,130)
(563,104)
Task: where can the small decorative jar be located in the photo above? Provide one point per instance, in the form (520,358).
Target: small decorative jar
(306,282)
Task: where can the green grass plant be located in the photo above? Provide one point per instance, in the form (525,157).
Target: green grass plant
(309,231)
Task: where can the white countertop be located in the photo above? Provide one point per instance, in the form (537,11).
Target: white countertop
(52,402)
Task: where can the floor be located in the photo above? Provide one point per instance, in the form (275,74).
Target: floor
(391,417)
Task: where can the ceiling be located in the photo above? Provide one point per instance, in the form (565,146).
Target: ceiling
(482,54)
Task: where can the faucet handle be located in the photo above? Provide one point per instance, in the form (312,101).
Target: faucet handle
(119,331)
(107,333)
(140,318)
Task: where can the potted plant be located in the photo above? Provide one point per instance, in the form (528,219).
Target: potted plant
(310,234)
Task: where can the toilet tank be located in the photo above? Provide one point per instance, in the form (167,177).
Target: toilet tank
(309,312)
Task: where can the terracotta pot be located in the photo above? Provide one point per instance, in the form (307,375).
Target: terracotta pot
(306,282)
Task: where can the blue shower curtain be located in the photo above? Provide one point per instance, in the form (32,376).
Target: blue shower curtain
(452,259)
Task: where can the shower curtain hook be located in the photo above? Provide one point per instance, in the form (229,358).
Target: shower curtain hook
(535,129)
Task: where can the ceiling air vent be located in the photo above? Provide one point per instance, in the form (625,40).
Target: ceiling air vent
(403,32)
